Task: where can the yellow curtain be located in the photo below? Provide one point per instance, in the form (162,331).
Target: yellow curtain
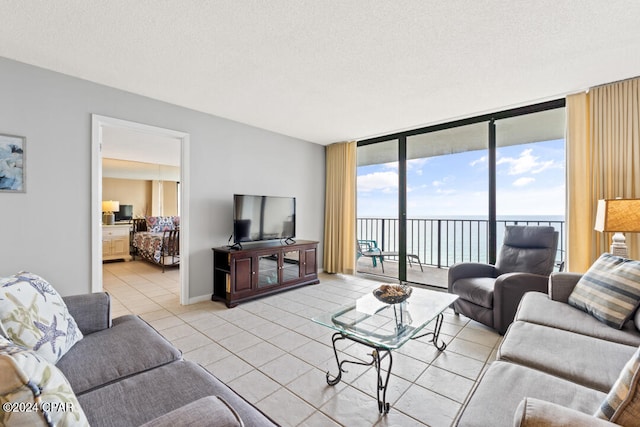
(603,162)
(340,209)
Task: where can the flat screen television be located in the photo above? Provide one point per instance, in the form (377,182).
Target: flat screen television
(258,218)
(125,213)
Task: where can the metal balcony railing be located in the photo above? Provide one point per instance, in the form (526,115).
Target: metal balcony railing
(443,242)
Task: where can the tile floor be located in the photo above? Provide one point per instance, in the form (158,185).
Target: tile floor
(270,352)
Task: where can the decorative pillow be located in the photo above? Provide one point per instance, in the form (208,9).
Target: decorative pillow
(33,315)
(609,290)
(622,404)
(34,392)
(158,224)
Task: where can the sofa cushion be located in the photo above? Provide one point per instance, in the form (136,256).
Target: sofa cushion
(146,396)
(588,361)
(210,411)
(609,290)
(538,308)
(33,315)
(130,346)
(41,394)
(478,290)
(494,400)
(622,405)
(540,413)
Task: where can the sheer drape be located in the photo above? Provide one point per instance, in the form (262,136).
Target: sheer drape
(603,162)
(340,208)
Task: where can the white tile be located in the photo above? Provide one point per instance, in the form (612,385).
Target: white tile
(277,358)
(260,354)
(229,368)
(351,407)
(446,383)
(289,340)
(458,364)
(318,419)
(207,355)
(285,368)
(312,387)
(296,411)
(240,341)
(254,386)
(428,407)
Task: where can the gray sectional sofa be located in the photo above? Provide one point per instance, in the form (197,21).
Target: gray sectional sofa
(555,365)
(124,373)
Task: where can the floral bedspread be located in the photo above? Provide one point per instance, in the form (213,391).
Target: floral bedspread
(148,245)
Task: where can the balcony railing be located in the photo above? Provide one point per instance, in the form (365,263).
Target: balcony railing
(443,242)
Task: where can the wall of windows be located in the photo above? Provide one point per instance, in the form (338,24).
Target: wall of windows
(443,194)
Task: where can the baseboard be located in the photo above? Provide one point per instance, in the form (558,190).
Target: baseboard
(201,298)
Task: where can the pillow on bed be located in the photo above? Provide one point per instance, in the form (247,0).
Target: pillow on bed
(158,224)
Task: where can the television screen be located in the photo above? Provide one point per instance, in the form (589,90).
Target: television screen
(258,218)
(125,213)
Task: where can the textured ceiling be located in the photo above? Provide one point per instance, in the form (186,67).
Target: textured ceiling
(329,71)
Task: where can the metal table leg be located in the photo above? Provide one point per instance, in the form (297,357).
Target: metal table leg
(377,355)
(435,333)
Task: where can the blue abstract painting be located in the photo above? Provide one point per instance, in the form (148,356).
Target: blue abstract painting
(12,163)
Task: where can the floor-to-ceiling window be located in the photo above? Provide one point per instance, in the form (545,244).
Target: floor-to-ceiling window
(446,198)
(377,225)
(439,195)
(530,172)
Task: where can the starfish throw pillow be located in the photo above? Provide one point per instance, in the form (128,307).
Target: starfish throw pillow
(33,315)
(34,392)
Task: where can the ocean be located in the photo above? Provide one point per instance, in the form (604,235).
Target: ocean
(445,240)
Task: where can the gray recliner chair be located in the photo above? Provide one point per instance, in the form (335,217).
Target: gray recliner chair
(490,294)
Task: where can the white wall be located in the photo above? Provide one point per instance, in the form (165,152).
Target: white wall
(47,229)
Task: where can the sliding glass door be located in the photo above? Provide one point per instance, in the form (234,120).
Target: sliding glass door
(377,225)
(446,200)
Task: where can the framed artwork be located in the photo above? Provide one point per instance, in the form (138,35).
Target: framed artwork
(12,163)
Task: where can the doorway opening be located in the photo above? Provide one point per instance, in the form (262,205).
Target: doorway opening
(102,127)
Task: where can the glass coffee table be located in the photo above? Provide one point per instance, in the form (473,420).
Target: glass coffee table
(384,328)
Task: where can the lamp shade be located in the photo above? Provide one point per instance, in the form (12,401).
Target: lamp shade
(619,215)
(110,206)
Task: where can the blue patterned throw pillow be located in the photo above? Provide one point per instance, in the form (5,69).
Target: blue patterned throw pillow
(609,290)
(33,315)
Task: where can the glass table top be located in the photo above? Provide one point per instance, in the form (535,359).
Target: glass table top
(387,325)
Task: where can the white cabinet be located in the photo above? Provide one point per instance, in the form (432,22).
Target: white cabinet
(115,242)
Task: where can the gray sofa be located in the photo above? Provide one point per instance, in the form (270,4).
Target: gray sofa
(124,373)
(554,367)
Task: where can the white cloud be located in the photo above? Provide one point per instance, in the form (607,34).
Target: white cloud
(526,163)
(521,182)
(417,164)
(481,160)
(444,181)
(384,181)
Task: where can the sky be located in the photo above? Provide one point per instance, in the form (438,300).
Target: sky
(530,180)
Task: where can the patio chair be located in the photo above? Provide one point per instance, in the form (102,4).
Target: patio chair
(369,248)
(490,294)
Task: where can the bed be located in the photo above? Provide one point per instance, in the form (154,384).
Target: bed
(156,239)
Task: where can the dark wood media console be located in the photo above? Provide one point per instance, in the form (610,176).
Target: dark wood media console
(257,270)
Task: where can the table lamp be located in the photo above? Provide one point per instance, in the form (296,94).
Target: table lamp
(618,216)
(108,208)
